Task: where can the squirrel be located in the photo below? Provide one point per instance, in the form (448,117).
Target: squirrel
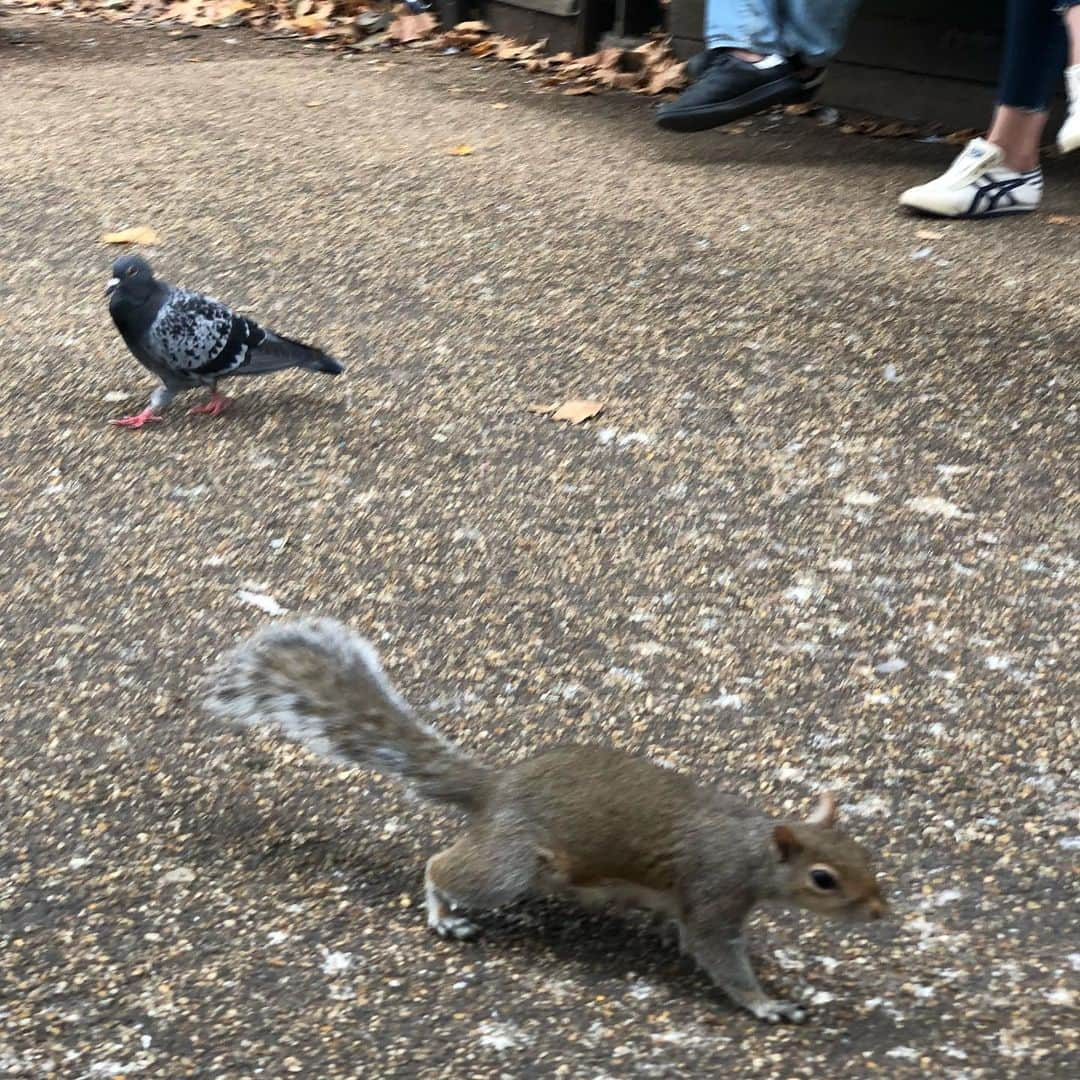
(585,821)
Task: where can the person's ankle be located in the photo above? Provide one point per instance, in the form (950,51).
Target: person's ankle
(747,55)
(1020,163)
(1016,161)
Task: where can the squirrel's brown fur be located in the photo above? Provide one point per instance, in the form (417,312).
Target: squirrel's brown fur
(586,821)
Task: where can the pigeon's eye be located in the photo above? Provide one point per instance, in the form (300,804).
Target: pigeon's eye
(823,879)
(131,270)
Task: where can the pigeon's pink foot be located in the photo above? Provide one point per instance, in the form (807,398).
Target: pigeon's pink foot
(217,404)
(147,416)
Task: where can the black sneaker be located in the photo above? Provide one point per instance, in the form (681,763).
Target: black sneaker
(696,65)
(727,88)
(812,77)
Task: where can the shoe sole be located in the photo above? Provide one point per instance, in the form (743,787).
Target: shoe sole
(787,91)
(1004,212)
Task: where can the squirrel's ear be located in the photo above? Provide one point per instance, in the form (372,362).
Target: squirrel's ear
(786,842)
(825,811)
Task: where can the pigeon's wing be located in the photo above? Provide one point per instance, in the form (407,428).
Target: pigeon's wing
(200,337)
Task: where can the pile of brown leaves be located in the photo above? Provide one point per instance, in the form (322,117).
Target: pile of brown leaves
(368,25)
(649,69)
(329,19)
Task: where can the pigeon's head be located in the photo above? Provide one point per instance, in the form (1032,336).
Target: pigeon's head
(132,275)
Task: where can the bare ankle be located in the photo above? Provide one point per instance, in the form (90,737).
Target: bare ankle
(1021,163)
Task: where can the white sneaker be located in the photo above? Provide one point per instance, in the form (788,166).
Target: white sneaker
(977,184)
(1069,135)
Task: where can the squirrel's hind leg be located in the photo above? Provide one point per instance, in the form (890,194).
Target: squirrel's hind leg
(474,874)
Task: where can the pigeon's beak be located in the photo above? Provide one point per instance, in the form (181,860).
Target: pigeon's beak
(111,287)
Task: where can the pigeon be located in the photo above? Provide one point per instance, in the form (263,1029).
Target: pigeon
(188,340)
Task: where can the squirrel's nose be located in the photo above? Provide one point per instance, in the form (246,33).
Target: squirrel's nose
(876,908)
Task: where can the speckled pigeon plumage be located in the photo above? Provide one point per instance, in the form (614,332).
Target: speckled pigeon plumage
(189,340)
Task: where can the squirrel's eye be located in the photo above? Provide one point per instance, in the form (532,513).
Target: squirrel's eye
(823,879)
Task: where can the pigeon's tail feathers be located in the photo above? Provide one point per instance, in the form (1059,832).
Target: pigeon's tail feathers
(277,352)
(328,365)
(322,686)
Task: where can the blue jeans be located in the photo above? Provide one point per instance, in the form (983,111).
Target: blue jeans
(812,30)
(1035,50)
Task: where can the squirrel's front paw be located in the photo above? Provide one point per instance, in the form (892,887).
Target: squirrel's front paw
(772,1012)
(455,926)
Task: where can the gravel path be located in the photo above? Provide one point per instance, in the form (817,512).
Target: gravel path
(823,535)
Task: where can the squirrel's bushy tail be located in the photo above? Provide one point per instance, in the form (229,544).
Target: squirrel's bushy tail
(322,686)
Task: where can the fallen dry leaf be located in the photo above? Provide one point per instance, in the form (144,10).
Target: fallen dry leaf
(208,12)
(577,91)
(934,505)
(542,410)
(307,24)
(500,105)
(201,12)
(929,234)
(1063,219)
(262,601)
(407,28)
(653,52)
(139,234)
(666,77)
(893,130)
(509,50)
(459,39)
(583,62)
(578,411)
(475,27)
(313,104)
(464,150)
(310,18)
(610,77)
(863,127)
